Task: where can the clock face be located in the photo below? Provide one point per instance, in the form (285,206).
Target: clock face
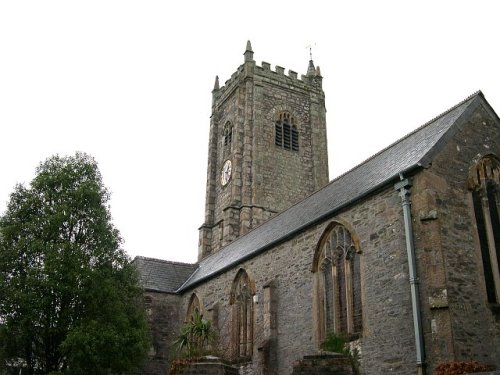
(225,175)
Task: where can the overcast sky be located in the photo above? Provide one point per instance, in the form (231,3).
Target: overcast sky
(130,82)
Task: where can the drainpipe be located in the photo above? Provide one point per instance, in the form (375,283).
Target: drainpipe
(404,192)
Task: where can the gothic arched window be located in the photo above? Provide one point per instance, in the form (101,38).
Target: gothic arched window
(194,305)
(338,285)
(227,136)
(286,135)
(242,314)
(485,186)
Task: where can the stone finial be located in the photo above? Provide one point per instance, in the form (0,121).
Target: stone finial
(311,70)
(248,52)
(216,85)
(318,71)
(249,46)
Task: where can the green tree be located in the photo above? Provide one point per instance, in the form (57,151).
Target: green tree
(69,297)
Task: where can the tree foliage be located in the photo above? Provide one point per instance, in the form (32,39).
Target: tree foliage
(69,297)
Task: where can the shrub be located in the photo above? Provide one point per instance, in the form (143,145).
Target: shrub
(196,336)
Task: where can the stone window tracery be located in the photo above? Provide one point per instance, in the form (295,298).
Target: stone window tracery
(338,285)
(485,185)
(286,135)
(242,316)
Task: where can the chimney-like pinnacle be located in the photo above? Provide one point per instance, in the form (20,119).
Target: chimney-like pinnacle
(318,71)
(216,85)
(248,52)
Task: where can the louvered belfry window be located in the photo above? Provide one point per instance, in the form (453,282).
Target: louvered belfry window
(286,135)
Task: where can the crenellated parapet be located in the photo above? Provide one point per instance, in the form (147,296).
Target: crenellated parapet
(309,82)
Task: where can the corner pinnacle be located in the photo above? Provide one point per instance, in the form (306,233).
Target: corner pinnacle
(249,46)
(216,85)
(248,52)
(311,70)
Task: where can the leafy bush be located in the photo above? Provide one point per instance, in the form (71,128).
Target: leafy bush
(196,339)
(196,336)
(334,343)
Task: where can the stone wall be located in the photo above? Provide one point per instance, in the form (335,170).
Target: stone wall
(459,324)
(165,322)
(205,366)
(323,364)
(285,176)
(387,342)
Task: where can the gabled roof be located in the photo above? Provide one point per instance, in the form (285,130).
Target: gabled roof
(161,275)
(410,152)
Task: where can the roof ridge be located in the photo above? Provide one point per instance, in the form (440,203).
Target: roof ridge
(164,261)
(477,93)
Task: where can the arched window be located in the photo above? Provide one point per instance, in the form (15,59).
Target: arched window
(242,314)
(286,135)
(227,136)
(485,185)
(194,305)
(338,285)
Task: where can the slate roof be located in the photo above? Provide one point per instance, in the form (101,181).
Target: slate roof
(410,152)
(162,275)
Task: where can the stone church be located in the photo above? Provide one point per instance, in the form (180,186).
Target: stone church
(400,254)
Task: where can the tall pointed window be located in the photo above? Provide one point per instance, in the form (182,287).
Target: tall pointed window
(194,306)
(338,285)
(242,316)
(485,185)
(227,136)
(286,135)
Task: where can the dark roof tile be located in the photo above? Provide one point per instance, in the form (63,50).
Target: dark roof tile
(162,275)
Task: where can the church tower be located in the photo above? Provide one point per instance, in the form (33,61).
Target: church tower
(267,148)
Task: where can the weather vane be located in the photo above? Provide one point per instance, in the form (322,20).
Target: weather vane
(310,46)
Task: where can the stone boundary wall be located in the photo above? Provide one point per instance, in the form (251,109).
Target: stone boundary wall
(207,366)
(327,364)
